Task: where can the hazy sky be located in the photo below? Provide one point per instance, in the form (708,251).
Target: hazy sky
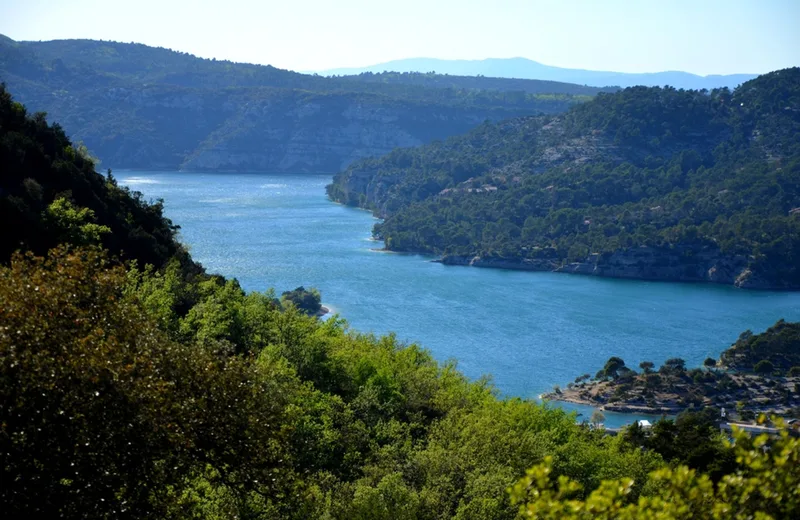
(700,36)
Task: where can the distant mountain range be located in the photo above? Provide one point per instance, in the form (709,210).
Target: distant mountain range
(522,68)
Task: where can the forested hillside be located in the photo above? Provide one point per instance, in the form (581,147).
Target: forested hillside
(776,350)
(487,83)
(651,183)
(155,65)
(143,107)
(51,193)
(134,385)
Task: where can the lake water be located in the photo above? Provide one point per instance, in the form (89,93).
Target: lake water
(528,330)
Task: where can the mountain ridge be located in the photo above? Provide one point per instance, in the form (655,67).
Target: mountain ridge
(144,107)
(524,68)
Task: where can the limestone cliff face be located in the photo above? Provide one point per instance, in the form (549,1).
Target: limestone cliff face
(324,133)
(367,190)
(643,263)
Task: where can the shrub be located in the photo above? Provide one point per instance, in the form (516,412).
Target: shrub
(764,366)
(765,486)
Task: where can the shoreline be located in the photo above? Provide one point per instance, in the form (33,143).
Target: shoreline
(513,265)
(428,256)
(622,408)
(741,394)
(323,311)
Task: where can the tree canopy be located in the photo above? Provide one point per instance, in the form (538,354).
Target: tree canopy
(778,348)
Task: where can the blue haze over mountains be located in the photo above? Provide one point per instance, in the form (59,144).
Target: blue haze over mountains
(523,68)
(136,106)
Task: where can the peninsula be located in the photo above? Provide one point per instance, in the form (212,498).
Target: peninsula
(645,183)
(758,374)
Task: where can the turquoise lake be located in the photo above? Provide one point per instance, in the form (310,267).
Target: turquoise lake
(528,330)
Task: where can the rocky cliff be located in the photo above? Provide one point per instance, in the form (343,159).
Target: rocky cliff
(325,133)
(642,263)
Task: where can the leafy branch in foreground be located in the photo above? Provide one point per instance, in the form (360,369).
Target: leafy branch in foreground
(767,486)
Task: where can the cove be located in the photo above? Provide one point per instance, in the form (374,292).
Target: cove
(528,330)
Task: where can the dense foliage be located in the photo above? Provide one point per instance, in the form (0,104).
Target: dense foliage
(644,183)
(767,486)
(779,347)
(308,301)
(692,439)
(45,180)
(105,415)
(139,106)
(140,390)
(102,414)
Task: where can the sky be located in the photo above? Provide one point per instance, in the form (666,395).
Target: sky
(698,36)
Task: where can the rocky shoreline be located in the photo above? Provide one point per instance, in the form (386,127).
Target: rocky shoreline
(748,396)
(617,408)
(644,263)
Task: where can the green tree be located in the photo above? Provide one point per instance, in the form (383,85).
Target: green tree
(764,486)
(123,416)
(673,366)
(52,194)
(72,224)
(722,193)
(308,301)
(764,366)
(612,367)
(598,417)
(779,344)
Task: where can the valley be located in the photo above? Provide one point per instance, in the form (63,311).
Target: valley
(230,290)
